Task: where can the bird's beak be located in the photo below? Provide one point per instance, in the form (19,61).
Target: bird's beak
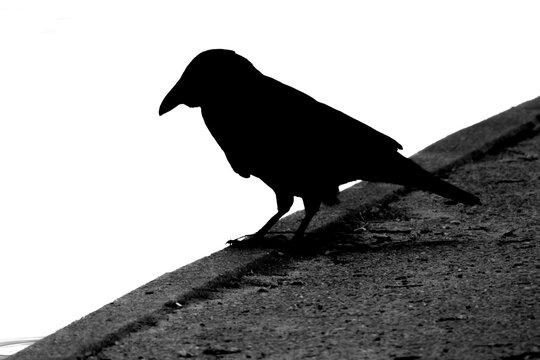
(174,98)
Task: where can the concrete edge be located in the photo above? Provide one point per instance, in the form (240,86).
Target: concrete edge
(146,306)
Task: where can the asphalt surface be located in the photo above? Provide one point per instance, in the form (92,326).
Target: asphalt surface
(418,279)
(405,275)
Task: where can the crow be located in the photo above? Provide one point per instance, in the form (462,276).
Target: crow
(293,143)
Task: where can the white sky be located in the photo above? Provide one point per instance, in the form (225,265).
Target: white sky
(99,195)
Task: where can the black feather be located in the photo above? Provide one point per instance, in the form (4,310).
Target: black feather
(295,144)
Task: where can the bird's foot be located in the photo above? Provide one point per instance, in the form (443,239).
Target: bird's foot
(246,241)
(257,241)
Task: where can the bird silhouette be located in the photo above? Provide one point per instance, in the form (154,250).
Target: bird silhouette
(293,143)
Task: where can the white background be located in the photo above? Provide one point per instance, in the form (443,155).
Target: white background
(99,195)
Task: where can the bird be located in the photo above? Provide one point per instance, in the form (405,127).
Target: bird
(295,144)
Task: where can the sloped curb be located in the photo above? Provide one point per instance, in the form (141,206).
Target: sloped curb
(149,304)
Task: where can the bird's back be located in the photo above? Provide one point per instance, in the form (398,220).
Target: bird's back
(288,139)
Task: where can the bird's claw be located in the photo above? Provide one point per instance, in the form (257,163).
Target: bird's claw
(245,241)
(257,240)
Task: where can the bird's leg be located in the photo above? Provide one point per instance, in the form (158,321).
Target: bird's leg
(284,203)
(311,206)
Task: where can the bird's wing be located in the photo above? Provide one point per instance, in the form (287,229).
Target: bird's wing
(311,122)
(353,131)
(292,138)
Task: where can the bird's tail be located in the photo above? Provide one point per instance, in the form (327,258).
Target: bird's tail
(448,190)
(408,173)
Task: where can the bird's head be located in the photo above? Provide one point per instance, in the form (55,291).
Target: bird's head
(212,76)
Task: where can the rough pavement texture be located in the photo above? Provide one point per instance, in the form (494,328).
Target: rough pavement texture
(415,278)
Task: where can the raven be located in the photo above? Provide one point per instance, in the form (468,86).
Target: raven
(293,143)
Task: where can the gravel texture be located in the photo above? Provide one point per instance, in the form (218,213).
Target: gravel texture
(418,278)
(385,275)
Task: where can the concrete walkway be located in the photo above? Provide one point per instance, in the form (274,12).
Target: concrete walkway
(386,275)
